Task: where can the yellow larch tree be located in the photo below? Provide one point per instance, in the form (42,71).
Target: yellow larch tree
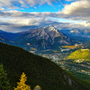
(21,85)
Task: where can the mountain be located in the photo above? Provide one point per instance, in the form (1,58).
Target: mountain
(76,33)
(1,31)
(80,55)
(39,71)
(44,38)
(8,35)
(4,40)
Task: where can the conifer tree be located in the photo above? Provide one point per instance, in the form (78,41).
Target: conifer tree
(4,82)
(21,85)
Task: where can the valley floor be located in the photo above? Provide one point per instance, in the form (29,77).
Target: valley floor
(81,68)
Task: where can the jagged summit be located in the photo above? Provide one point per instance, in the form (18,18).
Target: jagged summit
(50,28)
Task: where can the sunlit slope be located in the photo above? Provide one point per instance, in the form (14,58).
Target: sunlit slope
(39,71)
(83,54)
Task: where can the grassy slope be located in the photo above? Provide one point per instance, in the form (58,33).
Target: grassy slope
(79,54)
(82,76)
(38,70)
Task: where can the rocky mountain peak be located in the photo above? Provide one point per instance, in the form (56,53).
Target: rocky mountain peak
(46,37)
(50,28)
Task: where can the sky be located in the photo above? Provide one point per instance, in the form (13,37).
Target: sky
(21,15)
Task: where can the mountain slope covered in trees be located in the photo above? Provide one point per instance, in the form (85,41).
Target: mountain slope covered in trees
(39,71)
(81,54)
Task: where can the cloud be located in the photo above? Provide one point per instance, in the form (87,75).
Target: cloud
(15,20)
(11,20)
(27,15)
(76,7)
(18,14)
(1,9)
(14,4)
(78,10)
(21,4)
(17,25)
(23,24)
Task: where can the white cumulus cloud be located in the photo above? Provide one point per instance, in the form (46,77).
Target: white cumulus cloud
(76,6)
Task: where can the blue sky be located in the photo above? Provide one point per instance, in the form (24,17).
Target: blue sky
(69,14)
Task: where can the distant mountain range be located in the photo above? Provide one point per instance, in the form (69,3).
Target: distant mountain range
(2,39)
(8,35)
(76,33)
(43,38)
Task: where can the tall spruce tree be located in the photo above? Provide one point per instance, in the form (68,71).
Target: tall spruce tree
(4,82)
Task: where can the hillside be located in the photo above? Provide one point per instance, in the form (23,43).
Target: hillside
(81,54)
(8,35)
(2,39)
(39,71)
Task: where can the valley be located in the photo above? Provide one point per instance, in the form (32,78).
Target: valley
(80,66)
(50,43)
(67,64)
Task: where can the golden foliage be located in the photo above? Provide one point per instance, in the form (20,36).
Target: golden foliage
(80,54)
(21,85)
(55,51)
(34,49)
(70,47)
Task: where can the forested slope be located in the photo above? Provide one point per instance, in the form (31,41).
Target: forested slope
(39,71)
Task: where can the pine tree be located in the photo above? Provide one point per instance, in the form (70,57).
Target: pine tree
(4,83)
(21,85)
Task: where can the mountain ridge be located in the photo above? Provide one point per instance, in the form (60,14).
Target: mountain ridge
(48,37)
(76,33)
